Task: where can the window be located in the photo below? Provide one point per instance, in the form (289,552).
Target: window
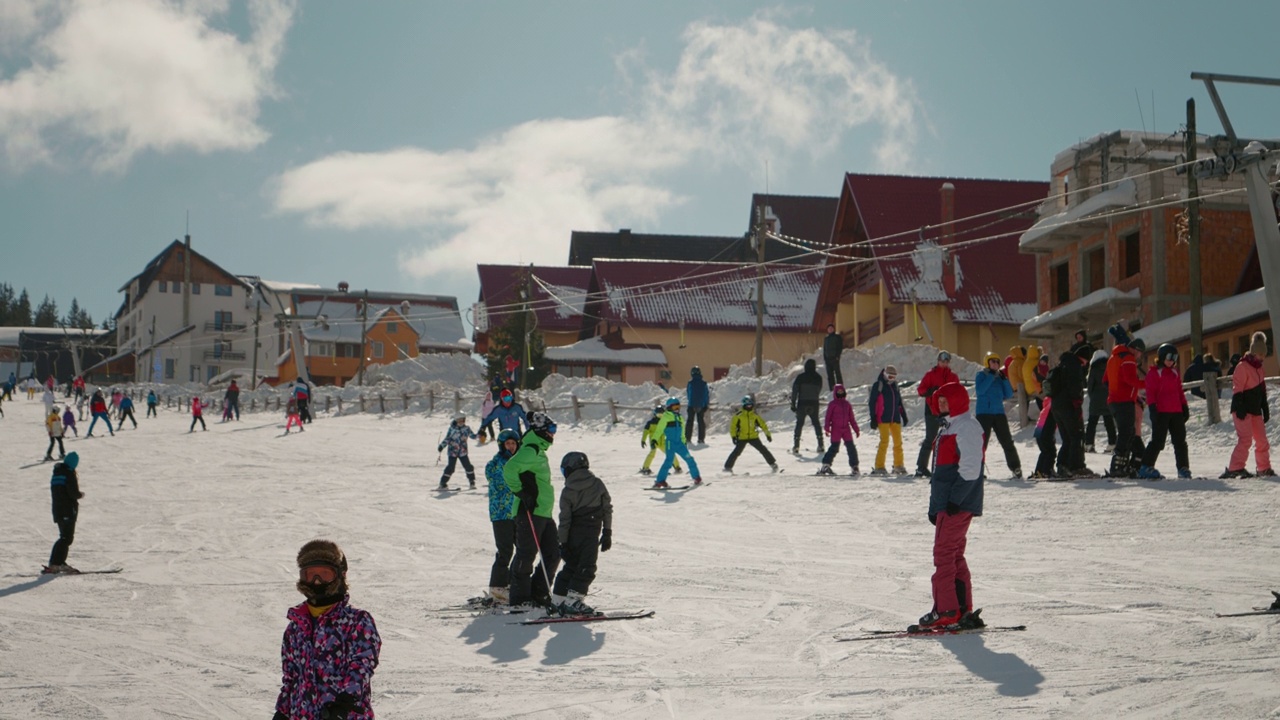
(162,286)
(1224,353)
(177,286)
(195,288)
(1132,254)
(222,290)
(403,350)
(170,368)
(347,350)
(377,349)
(194,374)
(578,371)
(212,372)
(1060,277)
(614,373)
(1095,262)
(220,346)
(319,349)
(392,328)
(221,319)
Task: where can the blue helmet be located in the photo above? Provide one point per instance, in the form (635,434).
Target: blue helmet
(673,402)
(506,435)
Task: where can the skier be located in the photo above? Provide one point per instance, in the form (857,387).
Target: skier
(832,348)
(291,416)
(302,392)
(69,422)
(197,414)
(1065,386)
(1124,390)
(98,408)
(330,647)
(992,389)
(842,427)
(486,407)
(955,498)
(585,530)
(669,428)
(502,512)
(1045,434)
(231,402)
(1096,388)
(940,374)
(699,397)
(650,438)
(64,487)
(528,476)
(805,390)
(152,402)
(744,430)
(456,440)
(1164,393)
(888,416)
(1251,412)
(508,413)
(126,412)
(53,425)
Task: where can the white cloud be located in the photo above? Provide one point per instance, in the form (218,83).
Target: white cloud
(779,91)
(114,78)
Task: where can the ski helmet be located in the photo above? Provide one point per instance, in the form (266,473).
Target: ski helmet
(1167,351)
(506,435)
(673,402)
(990,356)
(542,425)
(748,401)
(506,396)
(944,356)
(574,461)
(657,409)
(459,416)
(695,371)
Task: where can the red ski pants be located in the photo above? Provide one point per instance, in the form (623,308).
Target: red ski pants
(950,534)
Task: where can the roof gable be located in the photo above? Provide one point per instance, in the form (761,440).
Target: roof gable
(167,265)
(807,218)
(435,318)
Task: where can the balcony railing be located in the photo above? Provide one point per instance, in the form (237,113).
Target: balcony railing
(223,355)
(224,327)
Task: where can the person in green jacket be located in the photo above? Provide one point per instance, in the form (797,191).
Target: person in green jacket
(744,429)
(650,438)
(528,475)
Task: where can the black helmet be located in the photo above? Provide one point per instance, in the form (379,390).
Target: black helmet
(657,409)
(574,461)
(695,371)
(542,425)
(1167,351)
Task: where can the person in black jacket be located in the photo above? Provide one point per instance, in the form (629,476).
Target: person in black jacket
(64,486)
(1096,386)
(832,348)
(1065,384)
(585,530)
(805,392)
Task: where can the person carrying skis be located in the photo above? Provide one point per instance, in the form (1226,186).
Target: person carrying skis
(528,476)
(805,392)
(698,396)
(992,389)
(670,428)
(502,512)
(842,427)
(585,530)
(456,440)
(1096,390)
(53,425)
(126,412)
(330,648)
(1250,412)
(955,499)
(69,422)
(152,402)
(940,374)
(1164,393)
(649,437)
(197,414)
(98,408)
(888,416)
(64,487)
(744,430)
(508,413)
(832,348)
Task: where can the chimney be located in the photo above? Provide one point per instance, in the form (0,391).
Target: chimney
(948,192)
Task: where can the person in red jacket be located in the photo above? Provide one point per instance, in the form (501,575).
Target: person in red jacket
(98,408)
(1123,392)
(197,414)
(1165,395)
(938,376)
(1250,413)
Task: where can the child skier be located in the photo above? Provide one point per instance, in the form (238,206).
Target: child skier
(292,416)
(53,425)
(126,412)
(508,413)
(586,528)
(650,438)
(69,422)
(671,427)
(1250,412)
(1164,393)
(842,427)
(152,401)
(955,498)
(64,488)
(744,430)
(98,408)
(528,476)
(888,416)
(197,414)
(456,440)
(502,512)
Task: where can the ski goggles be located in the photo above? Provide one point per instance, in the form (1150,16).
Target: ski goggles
(324,573)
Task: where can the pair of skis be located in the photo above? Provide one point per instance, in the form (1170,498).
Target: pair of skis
(916,631)
(477,611)
(1257,609)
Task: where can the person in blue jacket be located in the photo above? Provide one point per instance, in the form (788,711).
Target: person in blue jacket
(992,389)
(508,413)
(888,416)
(669,428)
(699,397)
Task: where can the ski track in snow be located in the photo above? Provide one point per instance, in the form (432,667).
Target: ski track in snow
(750,577)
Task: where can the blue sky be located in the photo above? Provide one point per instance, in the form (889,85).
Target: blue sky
(394,145)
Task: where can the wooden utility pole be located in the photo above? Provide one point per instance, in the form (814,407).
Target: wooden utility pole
(759,238)
(257,321)
(364,317)
(1193,235)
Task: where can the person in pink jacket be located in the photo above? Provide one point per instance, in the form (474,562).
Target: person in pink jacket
(1250,412)
(841,427)
(1165,396)
(197,414)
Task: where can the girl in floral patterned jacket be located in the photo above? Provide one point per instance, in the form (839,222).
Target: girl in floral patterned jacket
(330,647)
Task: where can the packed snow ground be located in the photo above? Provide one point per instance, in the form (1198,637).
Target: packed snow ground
(750,577)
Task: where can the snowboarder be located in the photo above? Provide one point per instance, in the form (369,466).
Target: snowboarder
(456,440)
(64,487)
(669,427)
(805,391)
(152,402)
(585,530)
(888,416)
(698,395)
(649,437)
(1250,412)
(98,408)
(1164,393)
(940,374)
(1096,389)
(842,427)
(53,425)
(955,498)
(126,412)
(330,647)
(197,414)
(528,476)
(508,413)
(744,430)
(502,512)
(832,348)
(992,389)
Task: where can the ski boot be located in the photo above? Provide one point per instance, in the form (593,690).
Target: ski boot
(573,606)
(1266,473)
(1016,472)
(972,620)
(825,470)
(660,485)
(1146,472)
(772,468)
(728,469)
(646,471)
(933,620)
(1229,473)
(697,481)
(879,472)
(922,473)
(1184,473)
(853,471)
(899,469)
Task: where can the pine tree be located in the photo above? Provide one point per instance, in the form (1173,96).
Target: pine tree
(509,339)
(6,304)
(46,314)
(20,312)
(77,317)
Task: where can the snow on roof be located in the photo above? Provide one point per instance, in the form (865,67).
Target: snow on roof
(1215,316)
(1062,312)
(286,287)
(1124,194)
(499,286)
(594,350)
(705,295)
(9,335)
(436,326)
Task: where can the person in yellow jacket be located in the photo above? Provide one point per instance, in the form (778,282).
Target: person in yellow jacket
(650,438)
(745,429)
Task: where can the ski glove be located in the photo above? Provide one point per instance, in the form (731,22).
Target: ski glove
(528,491)
(279,716)
(1186,413)
(339,708)
(440,447)
(606,540)
(768,437)
(1266,412)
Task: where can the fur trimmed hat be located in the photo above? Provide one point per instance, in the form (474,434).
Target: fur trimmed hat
(322,552)
(1258,345)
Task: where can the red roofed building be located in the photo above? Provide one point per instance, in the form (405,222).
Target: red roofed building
(556,295)
(932,260)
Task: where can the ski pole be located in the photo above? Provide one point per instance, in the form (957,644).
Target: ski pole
(439,450)
(541,557)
